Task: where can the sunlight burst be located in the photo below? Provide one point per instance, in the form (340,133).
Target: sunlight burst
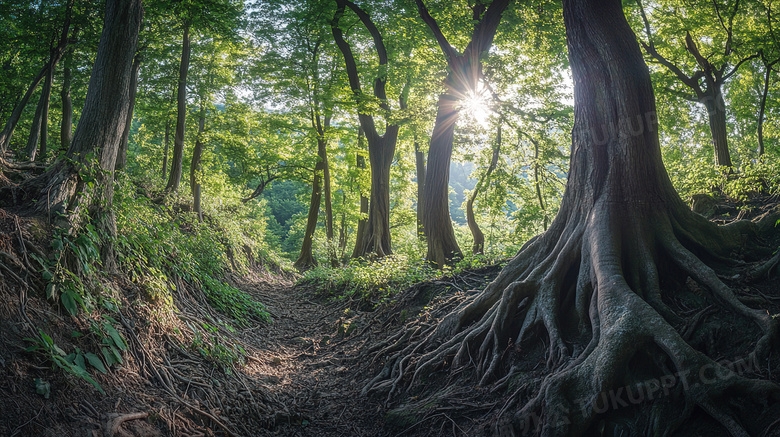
(475,106)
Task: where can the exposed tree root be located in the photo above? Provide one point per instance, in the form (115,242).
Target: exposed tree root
(593,286)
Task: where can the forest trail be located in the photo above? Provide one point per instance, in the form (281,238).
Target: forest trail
(308,365)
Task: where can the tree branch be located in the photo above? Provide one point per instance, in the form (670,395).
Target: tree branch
(485,31)
(736,67)
(379,44)
(446,47)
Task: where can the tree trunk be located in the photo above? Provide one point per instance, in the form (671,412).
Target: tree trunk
(588,290)
(762,108)
(66,127)
(478,247)
(195,169)
(442,245)
(465,72)
(375,238)
(361,227)
(419,160)
(322,151)
(716,112)
(121,159)
(165,149)
(306,258)
(81,186)
(39,129)
(10,125)
(55,54)
(343,226)
(181,114)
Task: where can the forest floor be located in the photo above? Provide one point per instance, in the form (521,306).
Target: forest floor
(302,373)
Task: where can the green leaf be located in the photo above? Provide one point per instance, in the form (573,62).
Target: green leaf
(95,361)
(86,376)
(108,356)
(115,336)
(117,354)
(69,303)
(80,362)
(56,244)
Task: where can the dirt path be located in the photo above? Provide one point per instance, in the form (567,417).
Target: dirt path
(309,366)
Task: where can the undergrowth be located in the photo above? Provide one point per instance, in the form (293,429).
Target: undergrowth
(699,176)
(157,245)
(377,282)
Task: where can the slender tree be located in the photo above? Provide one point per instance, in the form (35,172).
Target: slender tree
(66,126)
(478,245)
(174,179)
(47,71)
(121,159)
(195,166)
(419,163)
(589,288)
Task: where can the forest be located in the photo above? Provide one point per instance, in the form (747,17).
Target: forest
(389,218)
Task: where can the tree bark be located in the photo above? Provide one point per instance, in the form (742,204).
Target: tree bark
(716,113)
(195,167)
(762,107)
(478,245)
(588,290)
(306,258)
(442,245)
(13,119)
(66,127)
(360,233)
(39,130)
(181,114)
(121,159)
(322,152)
(165,149)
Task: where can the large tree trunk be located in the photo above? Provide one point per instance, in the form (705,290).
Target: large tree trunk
(716,113)
(376,240)
(589,289)
(478,246)
(442,245)
(375,237)
(121,159)
(81,185)
(181,114)
(465,72)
